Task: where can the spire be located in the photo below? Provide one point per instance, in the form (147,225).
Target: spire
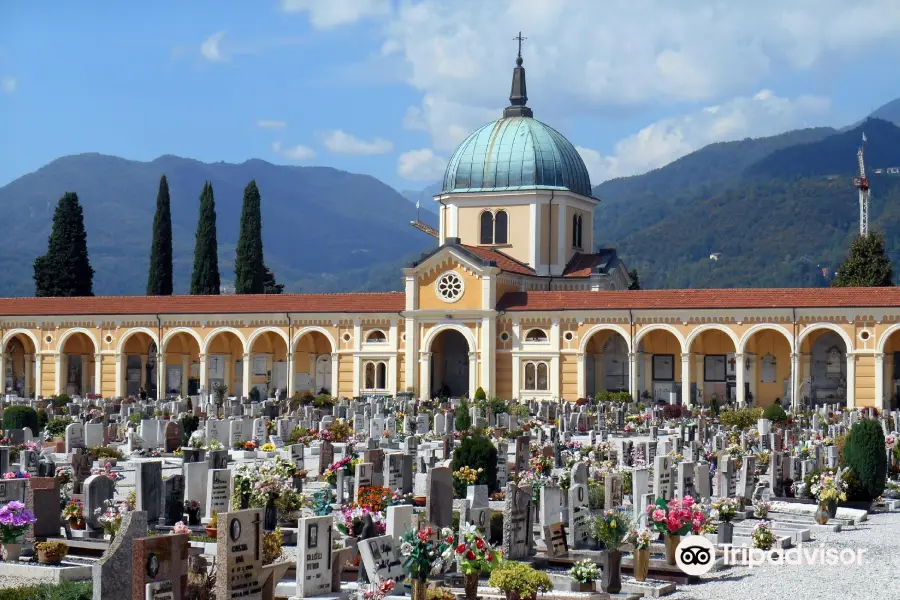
(518,95)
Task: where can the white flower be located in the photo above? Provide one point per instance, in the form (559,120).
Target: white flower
(467,528)
(406,548)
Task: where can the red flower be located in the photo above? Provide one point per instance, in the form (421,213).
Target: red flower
(461,548)
(490,557)
(449,539)
(479,543)
(470,555)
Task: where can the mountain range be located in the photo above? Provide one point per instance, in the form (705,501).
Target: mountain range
(773,211)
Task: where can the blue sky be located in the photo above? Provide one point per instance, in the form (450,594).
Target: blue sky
(389,88)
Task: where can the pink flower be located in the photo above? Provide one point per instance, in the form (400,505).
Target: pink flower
(659,515)
(180,527)
(688,502)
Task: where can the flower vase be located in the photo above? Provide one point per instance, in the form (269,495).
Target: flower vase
(76,524)
(822,515)
(641,564)
(583,586)
(672,542)
(418,589)
(832,506)
(270,517)
(471,586)
(611,580)
(12,552)
(725,535)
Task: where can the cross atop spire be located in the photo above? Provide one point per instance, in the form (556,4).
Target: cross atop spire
(518,96)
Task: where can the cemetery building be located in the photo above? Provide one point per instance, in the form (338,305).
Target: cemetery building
(515,299)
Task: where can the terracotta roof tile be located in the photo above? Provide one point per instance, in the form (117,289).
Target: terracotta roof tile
(583,265)
(699,299)
(249,303)
(504,261)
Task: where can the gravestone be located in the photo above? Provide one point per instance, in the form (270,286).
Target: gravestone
(171,508)
(523,453)
(314,556)
(42,499)
(326,456)
(614,491)
(148,488)
(502,464)
(112,573)
(196,476)
(684,480)
(363,478)
(662,478)
(555,540)
(239,547)
(218,492)
(399,519)
(579,516)
(439,498)
(159,567)
(381,559)
(518,536)
(74,436)
(172,436)
(30,462)
(701,481)
(81,470)
(478,511)
(217,459)
(97,490)
(94,435)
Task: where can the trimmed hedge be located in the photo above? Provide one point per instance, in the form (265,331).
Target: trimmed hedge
(775,414)
(18,417)
(864,454)
(477,452)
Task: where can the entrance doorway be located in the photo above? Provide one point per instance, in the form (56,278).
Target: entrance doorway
(450,365)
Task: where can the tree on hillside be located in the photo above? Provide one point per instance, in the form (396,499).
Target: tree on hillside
(867,264)
(249,270)
(635,280)
(65,270)
(205,278)
(159,278)
(270,286)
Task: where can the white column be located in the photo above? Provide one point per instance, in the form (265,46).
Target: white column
(739,379)
(516,375)
(204,370)
(38,374)
(648,373)
(425,375)
(488,354)
(120,374)
(473,373)
(185,373)
(161,391)
(60,363)
(633,376)
(754,375)
(685,378)
(3,371)
(879,381)
(98,374)
(335,380)
(246,367)
(700,374)
(795,380)
(582,376)
(290,375)
(851,380)
(555,378)
(411,347)
(28,367)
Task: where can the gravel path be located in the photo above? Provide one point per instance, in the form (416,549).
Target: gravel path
(875,578)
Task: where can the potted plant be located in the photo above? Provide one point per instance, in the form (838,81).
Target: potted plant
(828,489)
(424,553)
(641,541)
(74,514)
(520,581)
(674,519)
(52,552)
(611,528)
(474,555)
(212,528)
(14,522)
(725,509)
(584,573)
(762,536)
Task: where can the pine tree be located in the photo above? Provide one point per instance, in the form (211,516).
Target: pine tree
(205,278)
(159,278)
(65,270)
(249,270)
(270,286)
(635,281)
(867,264)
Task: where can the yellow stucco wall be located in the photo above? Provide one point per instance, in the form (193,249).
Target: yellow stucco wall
(569,373)
(519,240)
(503,362)
(472,297)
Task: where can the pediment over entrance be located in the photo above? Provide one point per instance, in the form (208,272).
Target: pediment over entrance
(451,278)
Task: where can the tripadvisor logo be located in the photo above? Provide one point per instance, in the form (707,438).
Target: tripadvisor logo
(695,555)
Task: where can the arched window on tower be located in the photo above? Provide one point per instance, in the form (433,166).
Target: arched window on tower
(487,227)
(501,227)
(576,231)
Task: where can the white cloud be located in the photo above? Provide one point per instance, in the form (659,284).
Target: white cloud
(8,84)
(210,49)
(340,142)
(664,141)
(324,14)
(421,165)
(271,124)
(298,152)
(584,58)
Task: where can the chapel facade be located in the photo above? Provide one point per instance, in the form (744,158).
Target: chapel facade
(516,299)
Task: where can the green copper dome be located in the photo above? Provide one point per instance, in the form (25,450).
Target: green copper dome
(516,153)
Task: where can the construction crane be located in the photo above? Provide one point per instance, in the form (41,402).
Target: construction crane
(862,184)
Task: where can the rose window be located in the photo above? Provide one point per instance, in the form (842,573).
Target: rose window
(449,287)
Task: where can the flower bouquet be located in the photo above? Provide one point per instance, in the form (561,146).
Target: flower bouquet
(725,509)
(110,516)
(674,518)
(73,512)
(762,535)
(14,522)
(761,510)
(611,528)
(584,572)
(350,521)
(473,556)
(641,540)
(425,555)
(829,489)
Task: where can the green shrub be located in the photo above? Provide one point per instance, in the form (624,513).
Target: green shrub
(596,494)
(323,401)
(775,414)
(477,452)
(60,401)
(865,456)
(520,410)
(57,426)
(520,578)
(604,396)
(67,590)
(714,405)
(479,394)
(135,418)
(254,394)
(744,418)
(102,452)
(463,418)
(42,419)
(19,417)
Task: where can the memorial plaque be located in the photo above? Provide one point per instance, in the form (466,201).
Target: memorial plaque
(555,539)
(218,493)
(239,547)
(159,565)
(314,556)
(381,559)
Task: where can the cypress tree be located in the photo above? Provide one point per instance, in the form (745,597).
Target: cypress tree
(205,277)
(65,270)
(159,279)
(867,265)
(249,270)
(635,280)
(270,286)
